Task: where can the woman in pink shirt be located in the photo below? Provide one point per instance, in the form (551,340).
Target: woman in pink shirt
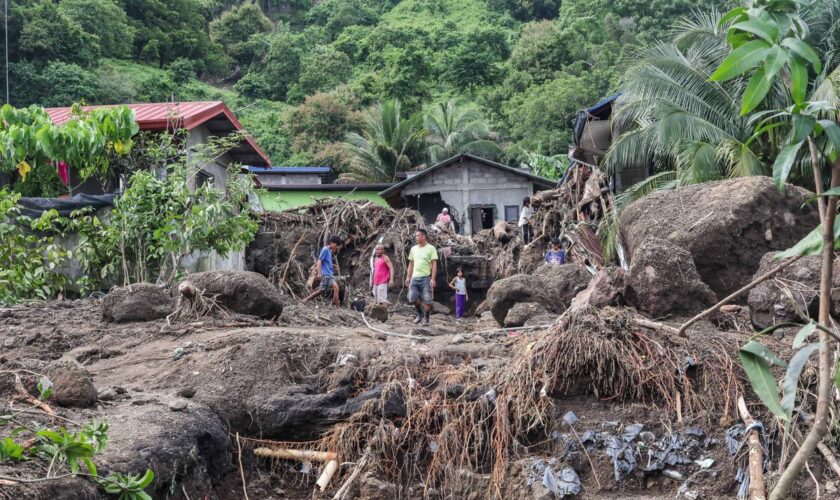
(383,275)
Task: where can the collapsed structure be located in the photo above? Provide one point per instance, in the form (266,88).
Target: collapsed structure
(579,395)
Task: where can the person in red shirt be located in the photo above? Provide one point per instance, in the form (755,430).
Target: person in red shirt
(383,275)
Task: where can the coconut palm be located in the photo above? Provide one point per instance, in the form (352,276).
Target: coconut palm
(384,148)
(455,127)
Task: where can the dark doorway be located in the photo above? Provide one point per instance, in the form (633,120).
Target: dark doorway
(482,217)
(430,205)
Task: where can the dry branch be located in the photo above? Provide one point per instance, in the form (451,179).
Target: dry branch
(734,295)
(299,455)
(757,491)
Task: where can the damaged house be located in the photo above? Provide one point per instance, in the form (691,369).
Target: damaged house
(477,192)
(594,132)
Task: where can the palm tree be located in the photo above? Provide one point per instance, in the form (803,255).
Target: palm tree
(455,127)
(678,120)
(383,150)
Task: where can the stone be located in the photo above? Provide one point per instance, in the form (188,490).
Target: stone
(662,281)
(605,289)
(458,339)
(9,342)
(242,292)
(726,226)
(186,392)
(438,308)
(377,312)
(138,302)
(551,286)
(796,287)
(179,404)
(72,384)
(521,312)
(108,394)
(503,232)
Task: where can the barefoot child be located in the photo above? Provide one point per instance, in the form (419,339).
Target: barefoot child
(459,284)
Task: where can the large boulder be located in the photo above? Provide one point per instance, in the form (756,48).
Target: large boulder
(520,313)
(551,286)
(797,287)
(72,384)
(727,226)
(662,280)
(243,292)
(139,302)
(605,289)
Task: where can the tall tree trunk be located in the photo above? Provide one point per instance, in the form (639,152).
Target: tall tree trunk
(820,427)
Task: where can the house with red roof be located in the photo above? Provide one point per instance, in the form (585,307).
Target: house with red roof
(202,120)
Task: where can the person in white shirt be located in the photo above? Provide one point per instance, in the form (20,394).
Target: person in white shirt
(525,221)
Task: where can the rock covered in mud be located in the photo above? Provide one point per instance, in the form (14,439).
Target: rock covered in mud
(796,287)
(551,286)
(72,384)
(377,312)
(662,280)
(605,289)
(727,226)
(521,312)
(244,292)
(138,302)
(189,447)
(503,232)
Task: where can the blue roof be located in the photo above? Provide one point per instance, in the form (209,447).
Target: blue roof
(289,170)
(604,101)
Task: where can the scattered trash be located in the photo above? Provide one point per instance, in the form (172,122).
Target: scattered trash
(672,474)
(179,353)
(705,463)
(567,483)
(570,418)
(491,396)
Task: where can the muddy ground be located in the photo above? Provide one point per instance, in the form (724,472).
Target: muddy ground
(176,395)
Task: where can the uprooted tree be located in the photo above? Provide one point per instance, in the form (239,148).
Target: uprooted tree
(768,45)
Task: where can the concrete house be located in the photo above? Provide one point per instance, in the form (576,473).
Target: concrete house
(478,192)
(202,120)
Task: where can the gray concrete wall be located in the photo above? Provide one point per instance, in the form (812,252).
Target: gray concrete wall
(269,180)
(217,168)
(468,184)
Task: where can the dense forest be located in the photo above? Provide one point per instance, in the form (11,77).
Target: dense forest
(324,82)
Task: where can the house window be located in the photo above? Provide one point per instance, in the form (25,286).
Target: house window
(511,213)
(203,178)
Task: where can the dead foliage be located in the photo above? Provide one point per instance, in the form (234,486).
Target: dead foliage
(456,424)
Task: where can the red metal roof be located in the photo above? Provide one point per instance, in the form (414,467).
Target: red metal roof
(170,116)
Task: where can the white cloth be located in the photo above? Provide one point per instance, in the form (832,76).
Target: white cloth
(460,286)
(380,293)
(524,216)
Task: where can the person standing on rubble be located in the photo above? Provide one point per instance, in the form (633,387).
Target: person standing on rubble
(325,271)
(556,255)
(420,276)
(383,275)
(525,221)
(459,284)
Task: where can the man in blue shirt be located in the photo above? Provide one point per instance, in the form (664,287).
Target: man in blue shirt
(325,271)
(556,255)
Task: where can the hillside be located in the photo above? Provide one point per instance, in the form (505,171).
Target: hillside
(528,66)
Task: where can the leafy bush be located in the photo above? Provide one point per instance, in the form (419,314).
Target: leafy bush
(127,486)
(30,258)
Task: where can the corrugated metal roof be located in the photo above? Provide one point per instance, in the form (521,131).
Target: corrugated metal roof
(170,116)
(289,170)
(396,188)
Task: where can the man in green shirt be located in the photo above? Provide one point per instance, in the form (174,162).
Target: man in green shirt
(420,276)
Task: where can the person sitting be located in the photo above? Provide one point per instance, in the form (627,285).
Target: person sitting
(444,221)
(556,255)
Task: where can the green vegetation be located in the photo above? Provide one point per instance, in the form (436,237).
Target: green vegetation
(63,451)
(525,66)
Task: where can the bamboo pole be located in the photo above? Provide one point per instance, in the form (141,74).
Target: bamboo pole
(756,491)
